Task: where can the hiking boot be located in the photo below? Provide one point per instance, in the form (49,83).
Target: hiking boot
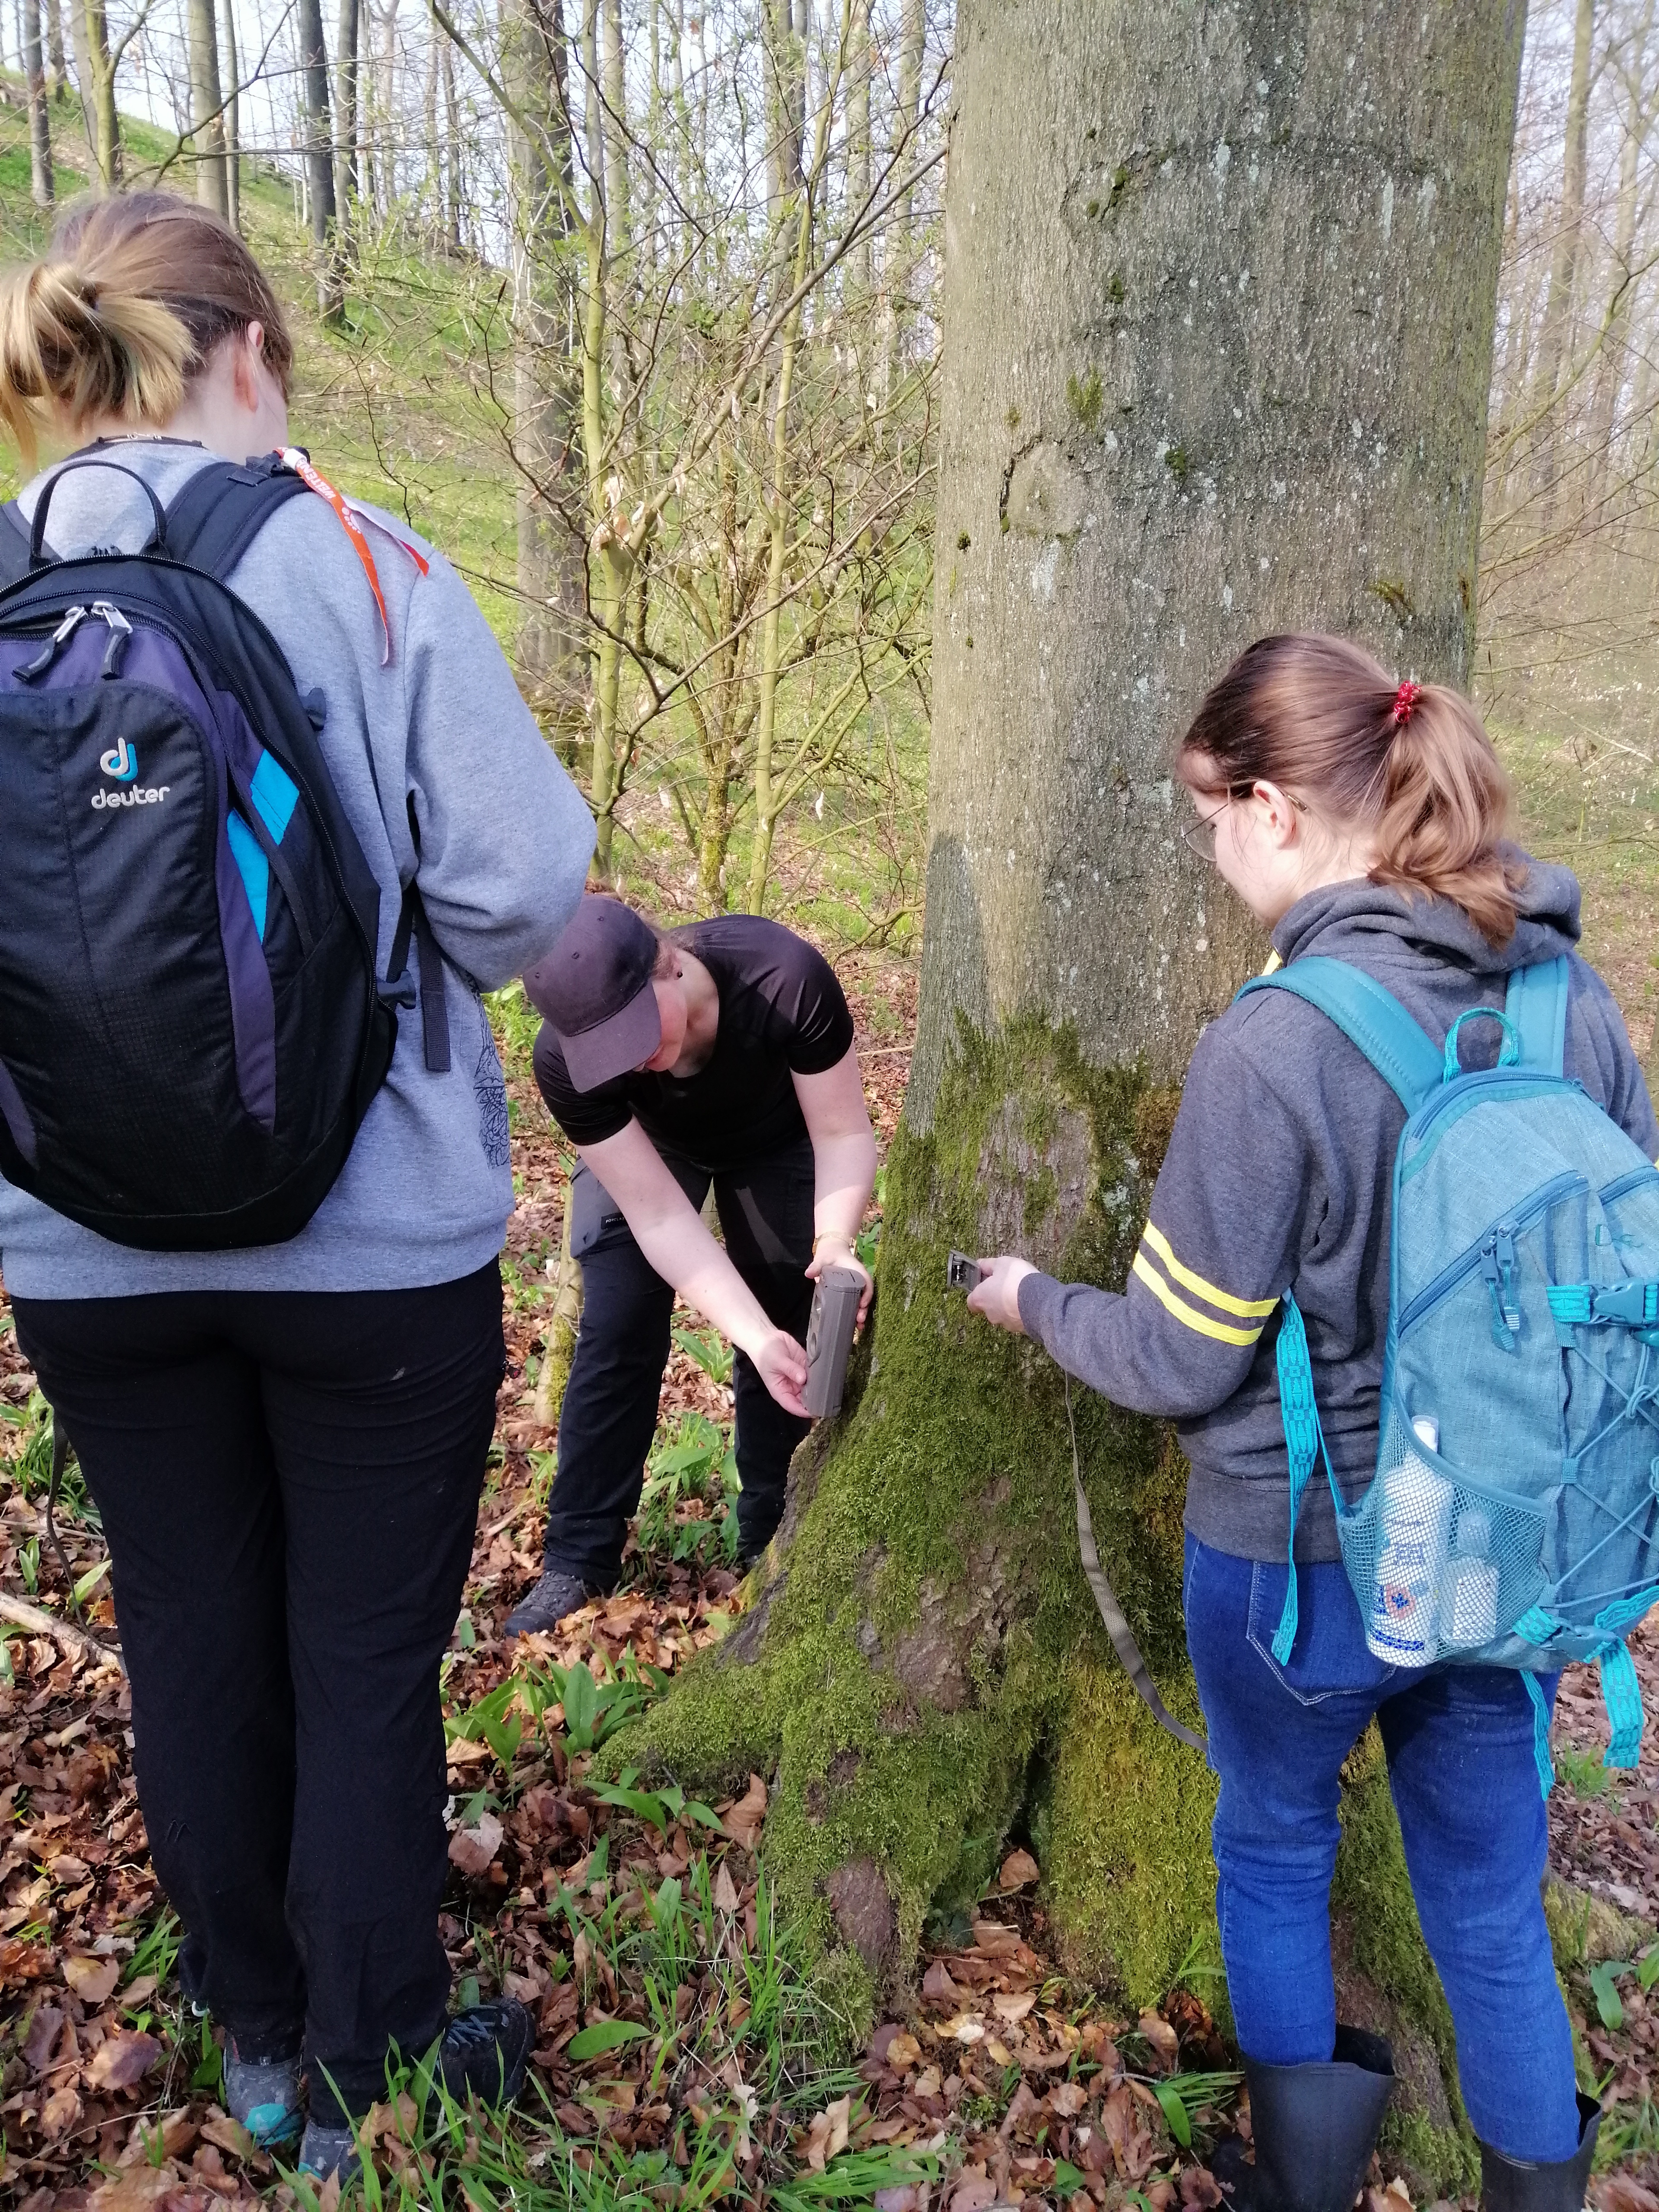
(263,2095)
(1519,2184)
(485,2050)
(1314,2127)
(558,1593)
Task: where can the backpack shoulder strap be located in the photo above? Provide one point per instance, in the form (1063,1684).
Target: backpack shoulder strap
(1536,1003)
(14,545)
(222,509)
(1369,1017)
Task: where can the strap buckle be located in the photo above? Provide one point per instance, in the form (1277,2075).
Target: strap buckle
(1633,1303)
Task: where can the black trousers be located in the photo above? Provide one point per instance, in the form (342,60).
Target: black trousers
(610,1411)
(289,1483)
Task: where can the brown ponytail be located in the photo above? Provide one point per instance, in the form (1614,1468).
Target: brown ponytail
(114,322)
(1409,766)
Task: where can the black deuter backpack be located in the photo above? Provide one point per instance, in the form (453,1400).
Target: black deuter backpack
(191,1022)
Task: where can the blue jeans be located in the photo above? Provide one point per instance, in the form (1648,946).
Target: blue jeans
(1459,1743)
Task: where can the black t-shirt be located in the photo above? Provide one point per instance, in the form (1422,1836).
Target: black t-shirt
(782,1013)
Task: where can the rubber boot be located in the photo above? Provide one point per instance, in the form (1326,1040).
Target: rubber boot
(1519,2184)
(1314,2127)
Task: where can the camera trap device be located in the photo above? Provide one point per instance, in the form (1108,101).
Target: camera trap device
(962,1273)
(830,1339)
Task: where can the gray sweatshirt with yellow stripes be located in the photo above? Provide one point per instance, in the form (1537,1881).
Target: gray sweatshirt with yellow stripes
(1279,1176)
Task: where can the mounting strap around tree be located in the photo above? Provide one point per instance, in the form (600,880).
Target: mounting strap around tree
(1111,1612)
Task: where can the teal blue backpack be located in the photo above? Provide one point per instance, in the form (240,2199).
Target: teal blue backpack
(1513,1520)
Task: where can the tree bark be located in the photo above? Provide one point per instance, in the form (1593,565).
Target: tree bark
(232,119)
(40,176)
(55,47)
(453,131)
(207,108)
(858,139)
(345,113)
(1218,304)
(551,654)
(319,160)
(1564,261)
(97,73)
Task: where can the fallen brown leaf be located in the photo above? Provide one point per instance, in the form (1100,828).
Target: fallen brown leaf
(42,2038)
(61,2110)
(903,2053)
(1200,2189)
(1021,2105)
(472,1849)
(1620,2192)
(726,1890)
(994,1939)
(973,2193)
(1067,2098)
(227,2135)
(1162,2037)
(1013,2005)
(135,2188)
(742,1821)
(826,2134)
(122,2059)
(938,1988)
(92,1979)
(1018,1869)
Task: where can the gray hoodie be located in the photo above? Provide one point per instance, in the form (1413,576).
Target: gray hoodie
(505,842)
(1280,1175)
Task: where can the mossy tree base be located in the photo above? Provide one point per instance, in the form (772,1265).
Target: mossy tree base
(923,1673)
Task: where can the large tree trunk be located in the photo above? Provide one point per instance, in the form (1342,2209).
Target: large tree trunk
(40,176)
(319,160)
(207,108)
(1218,303)
(89,23)
(345,111)
(1564,261)
(551,652)
(232,119)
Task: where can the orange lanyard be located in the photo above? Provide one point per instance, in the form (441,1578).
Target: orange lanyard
(351,521)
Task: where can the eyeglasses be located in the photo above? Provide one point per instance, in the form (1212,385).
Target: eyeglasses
(1199,833)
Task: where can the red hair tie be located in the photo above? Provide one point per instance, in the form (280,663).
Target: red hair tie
(1404,700)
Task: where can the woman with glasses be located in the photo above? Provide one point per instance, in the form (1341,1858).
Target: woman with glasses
(1361,820)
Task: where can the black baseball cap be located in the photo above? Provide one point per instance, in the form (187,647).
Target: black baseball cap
(595,989)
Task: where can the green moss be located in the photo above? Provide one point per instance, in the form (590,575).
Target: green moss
(923,1669)
(934,1562)
(1084,396)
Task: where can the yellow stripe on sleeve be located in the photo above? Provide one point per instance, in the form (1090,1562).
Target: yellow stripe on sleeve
(1245,1307)
(1190,1315)
(1274,963)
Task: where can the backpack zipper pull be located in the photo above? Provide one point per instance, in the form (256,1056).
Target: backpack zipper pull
(55,644)
(1506,1276)
(120,633)
(1502,1332)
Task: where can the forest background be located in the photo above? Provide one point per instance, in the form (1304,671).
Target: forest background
(633,309)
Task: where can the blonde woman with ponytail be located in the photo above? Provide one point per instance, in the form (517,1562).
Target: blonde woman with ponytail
(1361,818)
(286,1440)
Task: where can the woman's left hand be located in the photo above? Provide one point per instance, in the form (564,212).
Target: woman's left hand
(837,1252)
(997,1293)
